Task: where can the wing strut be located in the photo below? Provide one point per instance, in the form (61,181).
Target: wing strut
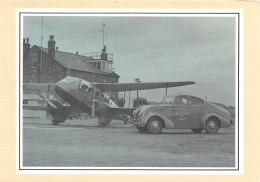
(93,108)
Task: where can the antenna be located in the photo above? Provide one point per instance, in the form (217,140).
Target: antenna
(103,30)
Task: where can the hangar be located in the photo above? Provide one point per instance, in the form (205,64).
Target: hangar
(49,65)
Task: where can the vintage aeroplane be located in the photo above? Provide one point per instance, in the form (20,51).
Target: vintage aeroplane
(87,97)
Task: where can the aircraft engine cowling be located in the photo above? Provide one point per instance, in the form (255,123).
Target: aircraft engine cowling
(101,107)
(58,111)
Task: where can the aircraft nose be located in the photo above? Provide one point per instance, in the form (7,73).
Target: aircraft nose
(58,89)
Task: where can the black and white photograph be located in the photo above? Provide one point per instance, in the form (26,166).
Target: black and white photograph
(136,91)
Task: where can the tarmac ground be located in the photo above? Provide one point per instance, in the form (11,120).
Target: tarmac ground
(81,143)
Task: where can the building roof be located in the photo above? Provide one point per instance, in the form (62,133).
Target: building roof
(75,62)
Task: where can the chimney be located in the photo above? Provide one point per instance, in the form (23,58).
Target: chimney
(26,49)
(51,47)
(104,53)
(57,48)
(77,52)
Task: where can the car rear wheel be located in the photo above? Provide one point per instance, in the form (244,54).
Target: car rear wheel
(154,125)
(212,125)
(199,130)
(141,129)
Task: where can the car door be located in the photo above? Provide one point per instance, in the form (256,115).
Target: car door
(181,112)
(197,111)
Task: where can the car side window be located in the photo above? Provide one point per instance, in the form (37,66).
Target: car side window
(195,101)
(182,100)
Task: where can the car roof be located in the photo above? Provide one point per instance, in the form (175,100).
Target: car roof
(182,94)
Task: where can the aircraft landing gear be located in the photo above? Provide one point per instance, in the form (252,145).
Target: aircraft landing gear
(55,122)
(56,119)
(104,120)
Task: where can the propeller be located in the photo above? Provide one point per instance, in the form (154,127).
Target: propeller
(47,100)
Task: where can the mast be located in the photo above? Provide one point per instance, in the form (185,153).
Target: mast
(41,45)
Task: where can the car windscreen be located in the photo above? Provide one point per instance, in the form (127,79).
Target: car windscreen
(195,101)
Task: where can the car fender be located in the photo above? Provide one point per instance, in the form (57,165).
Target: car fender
(223,122)
(167,122)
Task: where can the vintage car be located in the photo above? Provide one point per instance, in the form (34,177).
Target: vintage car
(182,112)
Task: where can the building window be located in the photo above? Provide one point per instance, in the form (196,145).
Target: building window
(25,101)
(96,64)
(99,65)
(34,65)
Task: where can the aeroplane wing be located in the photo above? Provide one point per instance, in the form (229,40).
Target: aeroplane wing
(128,111)
(120,87)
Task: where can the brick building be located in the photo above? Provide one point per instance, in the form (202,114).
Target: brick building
(49,65)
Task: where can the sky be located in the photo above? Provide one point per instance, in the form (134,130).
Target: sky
(153,49)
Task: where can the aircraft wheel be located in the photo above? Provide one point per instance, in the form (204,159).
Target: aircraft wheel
(212,125)
(141,129)
(101,124)
(199,130)
(155,125)
(104,120)
(55,122)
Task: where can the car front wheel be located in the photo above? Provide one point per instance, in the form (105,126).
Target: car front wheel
(154,125)
(212,125)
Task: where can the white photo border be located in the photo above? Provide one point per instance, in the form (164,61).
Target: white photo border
(239,132)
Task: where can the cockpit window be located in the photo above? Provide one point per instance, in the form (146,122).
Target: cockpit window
(78,83)
(97,95)
(90,90)
(83,86)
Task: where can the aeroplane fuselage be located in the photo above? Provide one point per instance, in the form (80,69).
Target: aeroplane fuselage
(80,94)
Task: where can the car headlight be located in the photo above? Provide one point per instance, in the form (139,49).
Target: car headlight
(135,111)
